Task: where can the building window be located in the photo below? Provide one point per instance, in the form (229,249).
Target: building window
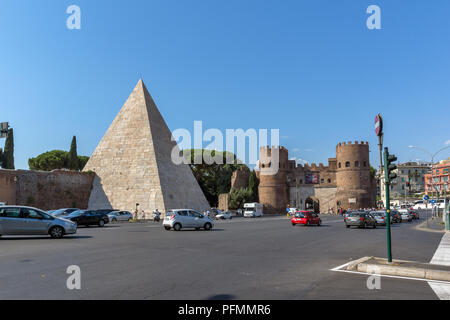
(356,164)
(347,164)
(365,164)
(339,165)
(322,181)
(329,180)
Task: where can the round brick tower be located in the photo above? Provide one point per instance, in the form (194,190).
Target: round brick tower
(354,187)
(273,165)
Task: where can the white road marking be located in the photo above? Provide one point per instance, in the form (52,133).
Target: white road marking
(441,283)
(442,257)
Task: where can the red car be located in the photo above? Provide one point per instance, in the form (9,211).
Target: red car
(306,218)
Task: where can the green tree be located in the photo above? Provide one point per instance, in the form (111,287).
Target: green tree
(373,172)
(48,161)
(72,162)
(8,154)
(238,197)
(253,184)
(82,160)
(56,159)
(1,158)
(214,179)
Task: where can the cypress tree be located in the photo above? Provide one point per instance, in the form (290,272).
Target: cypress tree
(8,154)
(253,185)
(73,156)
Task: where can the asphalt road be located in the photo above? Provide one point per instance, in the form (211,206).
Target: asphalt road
(263,258)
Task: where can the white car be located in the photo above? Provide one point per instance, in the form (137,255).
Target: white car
(187,218)
(224,216)
(117,216)
(405,215)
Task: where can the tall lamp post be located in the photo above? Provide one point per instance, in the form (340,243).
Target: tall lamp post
(432,155)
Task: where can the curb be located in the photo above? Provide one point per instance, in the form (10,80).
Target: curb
(397,270)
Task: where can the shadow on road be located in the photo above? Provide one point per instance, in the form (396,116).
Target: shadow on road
(9,238)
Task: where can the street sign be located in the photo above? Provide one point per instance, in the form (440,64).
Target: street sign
(379,125)
(425,198)
(433,201)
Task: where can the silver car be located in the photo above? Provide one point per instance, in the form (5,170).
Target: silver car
(19,220)
(187,218)
(117,216)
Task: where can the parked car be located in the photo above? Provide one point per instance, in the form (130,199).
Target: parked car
(61,213)
(306,218)
(20,220)
(187,218)
(224,215)
(360,220)
(117,216)
(88,218)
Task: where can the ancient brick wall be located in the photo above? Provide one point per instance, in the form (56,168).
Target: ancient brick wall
(273,190)
(239,179)
(47,190)
(7,187)
(353,175)
(223,202)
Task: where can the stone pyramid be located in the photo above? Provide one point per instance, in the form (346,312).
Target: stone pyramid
(133,163)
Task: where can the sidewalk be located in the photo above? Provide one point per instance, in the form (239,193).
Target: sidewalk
(432,225)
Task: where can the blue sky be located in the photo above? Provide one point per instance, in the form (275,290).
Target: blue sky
(309,68)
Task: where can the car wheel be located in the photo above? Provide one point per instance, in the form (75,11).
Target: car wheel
(320,223)
(208,226)
(114,220)
(56,232)
(307,223)
(374,225)
(167,228)
(364,225)
(101,223)
(347,226)
(177,227)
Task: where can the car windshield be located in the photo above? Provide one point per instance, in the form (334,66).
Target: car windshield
(76,213)
(299,214)
(57,212)
(355,214)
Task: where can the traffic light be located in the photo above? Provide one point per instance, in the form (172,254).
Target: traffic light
(389,166)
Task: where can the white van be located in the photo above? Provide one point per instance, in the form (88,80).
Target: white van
(420,204)
(253,210)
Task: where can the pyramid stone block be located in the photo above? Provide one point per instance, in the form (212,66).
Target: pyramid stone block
(133,163)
